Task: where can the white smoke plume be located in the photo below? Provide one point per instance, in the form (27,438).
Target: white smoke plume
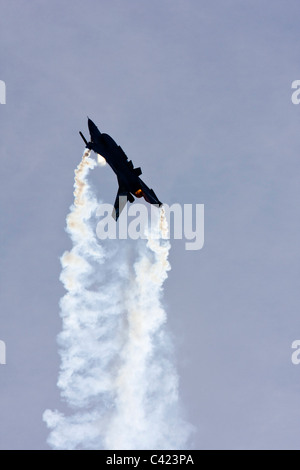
(116,374)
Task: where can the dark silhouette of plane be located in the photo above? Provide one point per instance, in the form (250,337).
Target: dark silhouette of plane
(130,183)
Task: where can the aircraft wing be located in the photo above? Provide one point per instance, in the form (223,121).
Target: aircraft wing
(149,195)
(120,203)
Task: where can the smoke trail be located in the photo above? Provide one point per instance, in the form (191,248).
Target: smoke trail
(116,374)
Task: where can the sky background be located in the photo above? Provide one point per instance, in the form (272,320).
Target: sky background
(198,93)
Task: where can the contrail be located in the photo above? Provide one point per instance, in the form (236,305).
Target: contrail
(116,375)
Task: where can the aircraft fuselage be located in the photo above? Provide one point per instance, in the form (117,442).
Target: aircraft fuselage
(130,184)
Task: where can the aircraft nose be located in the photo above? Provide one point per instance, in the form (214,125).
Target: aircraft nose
(92,126)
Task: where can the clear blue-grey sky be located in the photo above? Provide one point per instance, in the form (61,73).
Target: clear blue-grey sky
(198,93)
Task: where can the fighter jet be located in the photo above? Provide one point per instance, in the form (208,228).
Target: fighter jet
(130,183)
